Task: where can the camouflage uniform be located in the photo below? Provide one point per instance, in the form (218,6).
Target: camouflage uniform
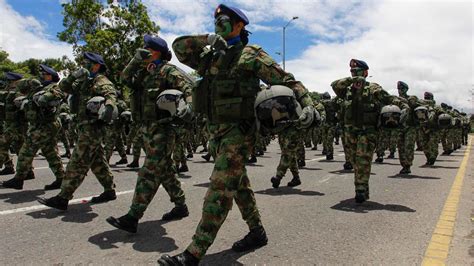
(231,133)
(113,137)
(158,137)
(329,126)
(64,133)
(362,108)
(42,134)
(430,131)
(88,153)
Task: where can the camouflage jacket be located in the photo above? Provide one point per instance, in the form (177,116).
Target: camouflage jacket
(252,62)
(35,114)
(147,83)
(362,107)
(86,89)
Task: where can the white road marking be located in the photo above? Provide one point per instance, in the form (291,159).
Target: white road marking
(321,158)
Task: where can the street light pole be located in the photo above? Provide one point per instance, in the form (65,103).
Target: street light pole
(284,30)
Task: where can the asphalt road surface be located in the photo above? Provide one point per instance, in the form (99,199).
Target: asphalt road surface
(314,223)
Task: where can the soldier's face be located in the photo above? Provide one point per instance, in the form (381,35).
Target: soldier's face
(47,77)
(358,72)
(223,26)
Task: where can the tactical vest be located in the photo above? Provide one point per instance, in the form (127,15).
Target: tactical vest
(331,110)
(361,108)
(35,114)
(226,94)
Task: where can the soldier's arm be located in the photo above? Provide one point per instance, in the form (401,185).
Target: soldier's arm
(271,73)
(189,48)
(25,86)
(128,74)
(109,93)
(179,80)
(54,93)
(340,86)
(321,110)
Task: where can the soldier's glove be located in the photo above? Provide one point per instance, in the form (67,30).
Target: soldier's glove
(141,54)
(217,42)
(306,118)
(80,73)
(108,113)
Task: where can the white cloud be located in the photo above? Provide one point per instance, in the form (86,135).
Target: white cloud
(426,44)
(24,37)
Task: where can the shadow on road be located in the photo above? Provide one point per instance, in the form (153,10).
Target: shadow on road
(310,168)
(225,257)
(349,205)
(330,161)
(184,176)
(22,196)
(149,238)
(76,213)
(206,185)
(288,191)
(413,177)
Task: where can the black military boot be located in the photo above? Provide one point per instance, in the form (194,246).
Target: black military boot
(301,163)
(104,197)
(275,181)
(329,157)
(178,212)
(8,170)
(123,160)
(315,148)
(14,183)
(253,159)
(391,155)
(347,166)
(127,223)
(207,157)
(361,195)
(184,168)
(405,170)
(55,185)
(182,259)
(55,202)
(254,239)
(66,155)
(294,182)
(30,175)
(419,148)
(379,159)
(133,164)
(189,155)
(324,152)
(431,161)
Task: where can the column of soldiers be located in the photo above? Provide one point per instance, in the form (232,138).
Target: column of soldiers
(234,119)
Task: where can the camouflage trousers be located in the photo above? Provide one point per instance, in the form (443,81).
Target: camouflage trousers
(316,136)
(419,139)
(44,137)
(430,143)
(11,138)
(88,154)
(360,147)
(179,153)
(446,139)
(344,146)
(64,137)
(406,146)
(457,137)
(387,139)
(328,132)
(137,142)
(158,169)
(228,182)
(288,140)
(113,138)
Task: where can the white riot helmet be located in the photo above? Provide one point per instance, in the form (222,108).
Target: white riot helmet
(276,108)
(390,116)
(171,103)
(95,108)
(20,102)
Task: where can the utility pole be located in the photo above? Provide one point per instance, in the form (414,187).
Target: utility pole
(284,29)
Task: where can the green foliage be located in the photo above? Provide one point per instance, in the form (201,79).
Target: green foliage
(113,30)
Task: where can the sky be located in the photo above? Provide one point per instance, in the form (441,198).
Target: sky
(428,44)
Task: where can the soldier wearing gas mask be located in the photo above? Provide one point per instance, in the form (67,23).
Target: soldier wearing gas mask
(363,102)
(158,104)
(231,73)
(39,107)
(97,107)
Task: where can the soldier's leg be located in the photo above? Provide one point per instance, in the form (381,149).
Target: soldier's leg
(27,154)
(227,182)
(100,168)
(289,148)
(88,143)
(365,147)
(109,142)
(330,140)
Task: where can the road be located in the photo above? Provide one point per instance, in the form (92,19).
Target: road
(315,223)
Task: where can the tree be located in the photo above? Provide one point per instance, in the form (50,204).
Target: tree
(113,29)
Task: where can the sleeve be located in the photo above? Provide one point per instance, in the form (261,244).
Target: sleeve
(179,80)
(271,73)
(189,48)
(321,110)
(340,86)
(127,75)
(54,93)
(67,84)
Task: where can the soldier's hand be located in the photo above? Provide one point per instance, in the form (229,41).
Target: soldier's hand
(217,42)
(142,54)
(80,73)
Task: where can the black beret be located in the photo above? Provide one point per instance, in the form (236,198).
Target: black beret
(156,43)
(428,96)
(326,95)
(51,71)
(13,76)
(402,85)
(231,11)
(444,105)
(96,58)
(354,63)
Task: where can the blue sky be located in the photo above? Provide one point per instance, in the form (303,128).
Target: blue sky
(425,43)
